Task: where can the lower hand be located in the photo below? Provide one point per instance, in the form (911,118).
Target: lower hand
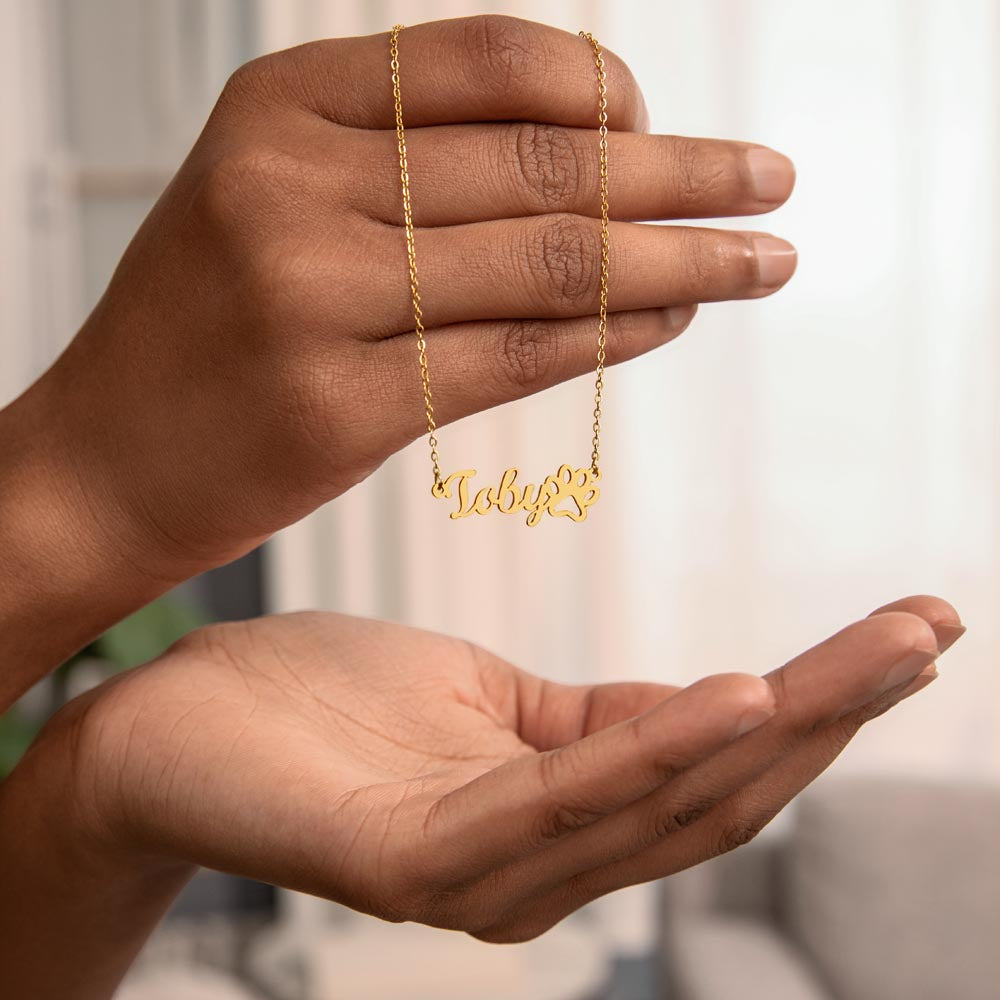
(418,777)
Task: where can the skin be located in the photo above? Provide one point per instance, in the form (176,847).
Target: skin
(253,358)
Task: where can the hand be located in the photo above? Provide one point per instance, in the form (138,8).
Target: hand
(419,777)
(253,356)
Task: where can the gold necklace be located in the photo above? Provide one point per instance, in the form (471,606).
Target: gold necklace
(569,492)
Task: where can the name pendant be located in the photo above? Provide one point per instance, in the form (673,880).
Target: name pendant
(569,493)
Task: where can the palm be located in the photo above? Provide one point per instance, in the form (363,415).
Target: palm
(417,777)
(322,721)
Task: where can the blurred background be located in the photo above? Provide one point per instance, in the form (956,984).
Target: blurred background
(783,468)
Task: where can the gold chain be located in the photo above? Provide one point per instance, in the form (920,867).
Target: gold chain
(411,254)
(602,317)
(577,486)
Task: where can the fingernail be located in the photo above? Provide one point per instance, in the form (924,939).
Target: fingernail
(771,175)
(906,669)
(947,635)
(919,682)
(776,260)
(753,718)
(677,318)
(925,677)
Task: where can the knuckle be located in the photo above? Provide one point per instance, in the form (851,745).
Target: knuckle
(260,80)
(699,260)
(241,179)
(628,333)
(804,730)
(558,817)
(246,80)
(527,353)
(219,193)
(699,178)
(242,90)
(686,816)
(799,731)
(560,820)
(736,834)
(547,164)
(841,731)
(665,822)
(834,729)
(501,49)
(564,252)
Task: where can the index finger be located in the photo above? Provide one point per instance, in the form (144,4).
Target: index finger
(468,69)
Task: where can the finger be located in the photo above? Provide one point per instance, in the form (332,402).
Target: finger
(548,267)
(469,173)
(470,69)
(539,799)
(939,614)
(811,749)
(479,365)
(552,715)
(829,682)
(684,823)
(735,819)
(546,715)
(733,823)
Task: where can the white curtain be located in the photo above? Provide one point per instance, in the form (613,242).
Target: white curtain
(39,300)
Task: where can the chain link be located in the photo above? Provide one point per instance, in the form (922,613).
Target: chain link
(411,254)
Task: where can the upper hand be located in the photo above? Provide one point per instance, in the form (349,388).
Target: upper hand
(253,356)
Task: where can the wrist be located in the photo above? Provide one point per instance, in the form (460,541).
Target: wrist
(74,785)
(79,900)
(67,570)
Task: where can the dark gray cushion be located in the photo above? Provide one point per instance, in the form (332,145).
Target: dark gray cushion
(893,889)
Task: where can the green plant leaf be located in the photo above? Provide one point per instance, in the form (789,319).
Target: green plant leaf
(16,734)
(147,633)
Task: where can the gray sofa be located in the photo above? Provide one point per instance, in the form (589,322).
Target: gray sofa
(878,889)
